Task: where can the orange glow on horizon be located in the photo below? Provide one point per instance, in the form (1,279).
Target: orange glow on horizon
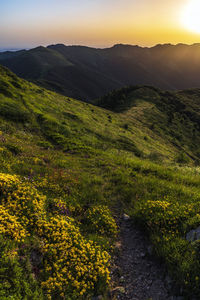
(100,23)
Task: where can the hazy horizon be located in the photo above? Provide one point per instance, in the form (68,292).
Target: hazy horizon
(95,47)
(98,23)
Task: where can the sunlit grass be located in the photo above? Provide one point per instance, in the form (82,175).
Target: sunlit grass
(67,168)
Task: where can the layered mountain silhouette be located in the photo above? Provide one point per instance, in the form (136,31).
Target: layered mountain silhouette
(89,73)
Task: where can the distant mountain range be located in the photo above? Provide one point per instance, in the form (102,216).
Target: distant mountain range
(88,73)
(9,49)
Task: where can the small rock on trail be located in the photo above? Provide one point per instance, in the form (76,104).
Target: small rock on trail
(136,274)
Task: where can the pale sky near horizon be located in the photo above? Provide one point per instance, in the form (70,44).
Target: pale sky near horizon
(99,23)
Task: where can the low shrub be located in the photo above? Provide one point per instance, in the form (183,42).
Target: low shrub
(70,266)
(100,220)
(73,266)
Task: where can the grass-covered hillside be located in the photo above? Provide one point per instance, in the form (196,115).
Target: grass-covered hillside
(69,169)
(173,116)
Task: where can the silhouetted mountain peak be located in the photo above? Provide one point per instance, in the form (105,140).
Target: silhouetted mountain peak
(122,46)
(39,48)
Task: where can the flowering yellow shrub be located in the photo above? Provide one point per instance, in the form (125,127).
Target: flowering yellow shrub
(59,207)
(22,200)
(9,226)
(73,265)
(163,216)
(101,220)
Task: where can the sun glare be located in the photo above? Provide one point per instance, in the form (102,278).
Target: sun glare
(191,16)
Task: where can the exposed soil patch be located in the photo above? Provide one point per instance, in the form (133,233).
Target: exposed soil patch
(137,275)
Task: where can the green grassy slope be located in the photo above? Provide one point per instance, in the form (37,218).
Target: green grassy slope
(91,164)
(173,116)
(69,124)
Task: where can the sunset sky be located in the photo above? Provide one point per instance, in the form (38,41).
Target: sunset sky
(99,23)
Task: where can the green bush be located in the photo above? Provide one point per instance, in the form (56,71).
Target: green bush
(100,220)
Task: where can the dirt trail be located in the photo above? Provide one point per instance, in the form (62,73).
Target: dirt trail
(137,275)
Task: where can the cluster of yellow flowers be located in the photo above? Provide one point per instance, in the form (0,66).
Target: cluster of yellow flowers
(157,204)
(59,207)
(101,220)
(73,265)
(9,226)
(164,216)
(21,199)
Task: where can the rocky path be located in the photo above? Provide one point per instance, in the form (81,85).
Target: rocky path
(137,275)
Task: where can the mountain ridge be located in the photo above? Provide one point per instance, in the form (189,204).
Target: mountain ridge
(88,73)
